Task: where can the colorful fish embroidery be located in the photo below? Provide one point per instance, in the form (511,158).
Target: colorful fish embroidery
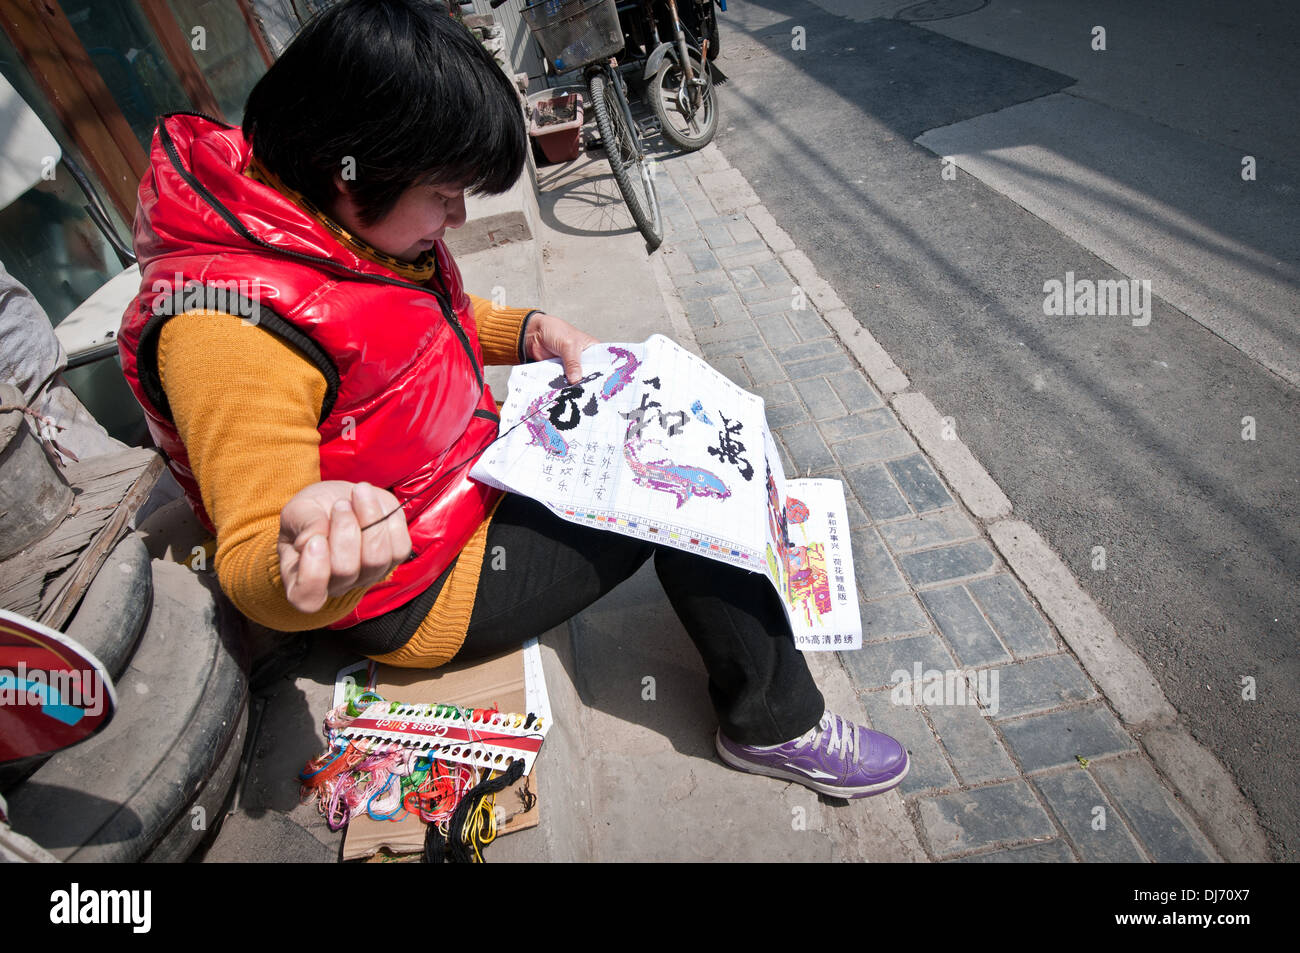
(682,481)
(621,375)
(542,431)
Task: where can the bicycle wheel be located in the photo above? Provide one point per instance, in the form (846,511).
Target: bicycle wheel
(684,123)
(627,159)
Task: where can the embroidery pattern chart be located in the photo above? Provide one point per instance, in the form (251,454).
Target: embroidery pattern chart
(819,589)
(654,443)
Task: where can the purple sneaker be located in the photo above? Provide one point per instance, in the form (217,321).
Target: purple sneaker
(836,758)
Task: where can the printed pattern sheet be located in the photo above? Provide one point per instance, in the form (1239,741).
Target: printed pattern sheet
(654,443)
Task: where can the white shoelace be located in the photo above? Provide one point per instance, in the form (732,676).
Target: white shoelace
(844,736)
(839,737)
(841,734)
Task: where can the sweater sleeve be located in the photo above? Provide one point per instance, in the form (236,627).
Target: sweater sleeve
(501,331)
(246,405)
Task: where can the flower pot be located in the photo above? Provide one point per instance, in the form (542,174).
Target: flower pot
(556,123)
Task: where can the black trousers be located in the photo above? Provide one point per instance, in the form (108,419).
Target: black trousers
(759,683)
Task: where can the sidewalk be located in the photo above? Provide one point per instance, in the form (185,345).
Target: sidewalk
(1078,756)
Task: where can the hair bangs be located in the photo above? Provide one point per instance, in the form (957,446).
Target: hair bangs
(395,92)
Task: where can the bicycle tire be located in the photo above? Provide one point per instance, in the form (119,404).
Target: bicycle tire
(666,88)
(626,158)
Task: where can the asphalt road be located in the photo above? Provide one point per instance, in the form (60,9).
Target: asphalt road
(1102,433)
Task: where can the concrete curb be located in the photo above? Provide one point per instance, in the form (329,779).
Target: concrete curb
(983,497)
(814,285)
(1196,776)
(775,236)
(1208,791)
(880,367)
(1122,676)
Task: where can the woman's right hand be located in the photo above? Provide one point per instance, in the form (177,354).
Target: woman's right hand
(323,551)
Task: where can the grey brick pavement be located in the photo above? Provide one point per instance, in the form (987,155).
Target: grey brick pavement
(1029,764)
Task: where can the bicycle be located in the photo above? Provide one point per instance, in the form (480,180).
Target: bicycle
(585,34)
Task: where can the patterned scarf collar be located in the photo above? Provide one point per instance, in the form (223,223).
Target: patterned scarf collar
(418,271)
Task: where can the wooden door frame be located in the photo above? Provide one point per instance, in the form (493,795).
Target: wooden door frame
(175,44)
(255,29)
(62,68)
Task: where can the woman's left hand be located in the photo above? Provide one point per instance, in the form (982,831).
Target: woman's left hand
(548,336)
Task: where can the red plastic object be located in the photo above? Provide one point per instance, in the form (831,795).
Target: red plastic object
(53,693)
(560,142)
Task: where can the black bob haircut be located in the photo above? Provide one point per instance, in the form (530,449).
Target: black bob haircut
(400,89)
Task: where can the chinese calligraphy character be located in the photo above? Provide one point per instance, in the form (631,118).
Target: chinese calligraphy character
(729,449)
(638,415)
(563,411)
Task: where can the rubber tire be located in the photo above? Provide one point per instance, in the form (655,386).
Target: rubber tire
(623,172)
(669,73)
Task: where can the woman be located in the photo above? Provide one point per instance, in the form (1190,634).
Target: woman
(308,359)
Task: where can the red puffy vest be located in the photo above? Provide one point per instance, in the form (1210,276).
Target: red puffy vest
(406,407)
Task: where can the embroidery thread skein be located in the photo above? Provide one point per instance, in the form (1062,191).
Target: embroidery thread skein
(466,846)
